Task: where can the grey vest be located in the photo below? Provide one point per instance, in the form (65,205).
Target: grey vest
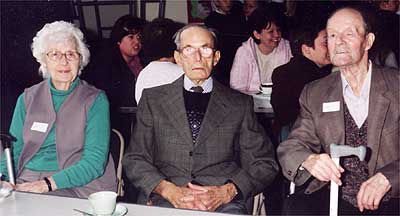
(70,130)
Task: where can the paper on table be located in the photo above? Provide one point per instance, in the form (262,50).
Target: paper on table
(262,101)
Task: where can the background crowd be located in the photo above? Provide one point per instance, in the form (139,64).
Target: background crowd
(283,44)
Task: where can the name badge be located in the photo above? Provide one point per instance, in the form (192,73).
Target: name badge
(331,106)
(39,126)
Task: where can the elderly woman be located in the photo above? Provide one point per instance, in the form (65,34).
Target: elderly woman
(61,124)
(265,50)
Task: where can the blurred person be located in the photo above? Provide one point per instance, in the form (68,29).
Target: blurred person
(231,29)
(265,50)
(385,51)
(115,68)
(158,51)
(310,62)
(61,125)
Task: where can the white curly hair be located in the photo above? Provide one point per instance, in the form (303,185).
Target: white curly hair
(55,32)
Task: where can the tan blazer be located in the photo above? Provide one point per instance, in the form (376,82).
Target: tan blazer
(315,130)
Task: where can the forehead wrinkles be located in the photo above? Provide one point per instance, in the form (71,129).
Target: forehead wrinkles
(345,19)
(196,36)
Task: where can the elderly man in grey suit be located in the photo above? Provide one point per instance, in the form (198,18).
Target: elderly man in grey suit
(197,144)
(357,106)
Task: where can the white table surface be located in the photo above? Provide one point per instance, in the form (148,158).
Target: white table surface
(29,204)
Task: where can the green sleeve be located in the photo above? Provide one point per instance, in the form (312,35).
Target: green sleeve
(95,150)
(16,128)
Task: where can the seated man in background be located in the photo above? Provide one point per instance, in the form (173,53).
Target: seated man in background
(197,144)
(158,52)
(309,63)
(357,106)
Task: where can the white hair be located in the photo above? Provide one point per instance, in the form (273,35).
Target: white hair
(177,35)
(55,32)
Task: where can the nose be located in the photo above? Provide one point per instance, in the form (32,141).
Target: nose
(277,33)
(63,60)
(339,39)
(197,55)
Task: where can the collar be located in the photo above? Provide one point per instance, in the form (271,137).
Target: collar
(365,86)
(207,84)
(61,92)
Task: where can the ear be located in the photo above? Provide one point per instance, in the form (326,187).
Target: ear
(177,58)
(305,49)
(256,34)
(217,56)
(370,38)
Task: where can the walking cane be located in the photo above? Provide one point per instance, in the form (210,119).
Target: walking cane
(6,141)
(338,151)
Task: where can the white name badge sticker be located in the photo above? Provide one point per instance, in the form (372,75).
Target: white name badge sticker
(39,126)
(331,106)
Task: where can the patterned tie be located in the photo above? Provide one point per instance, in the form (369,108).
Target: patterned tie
(197,89)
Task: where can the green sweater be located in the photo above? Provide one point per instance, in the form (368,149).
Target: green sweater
(95,149)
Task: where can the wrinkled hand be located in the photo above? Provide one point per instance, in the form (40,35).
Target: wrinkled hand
(372,192)
(39,186)
(179,197)
(322,167)
(5,184)
(214,196)
(35,187)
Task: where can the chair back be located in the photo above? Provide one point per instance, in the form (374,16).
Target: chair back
(117,136)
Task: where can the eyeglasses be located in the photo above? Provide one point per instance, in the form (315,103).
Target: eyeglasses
(189,51)
(69,55)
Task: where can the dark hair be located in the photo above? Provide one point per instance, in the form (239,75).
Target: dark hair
(305,34)
(158,39)
(262,18)
(365,12)
(126,25)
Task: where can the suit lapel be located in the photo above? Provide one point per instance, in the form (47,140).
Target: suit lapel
(217,111)
(378,107)
(334,120)
(174,107)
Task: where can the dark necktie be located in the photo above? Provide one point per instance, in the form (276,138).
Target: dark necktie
(197,89)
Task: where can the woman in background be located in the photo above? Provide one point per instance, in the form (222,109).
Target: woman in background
(265,50)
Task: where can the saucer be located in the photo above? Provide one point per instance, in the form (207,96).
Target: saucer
(120,210)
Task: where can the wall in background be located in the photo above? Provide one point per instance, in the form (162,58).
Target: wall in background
(174,9)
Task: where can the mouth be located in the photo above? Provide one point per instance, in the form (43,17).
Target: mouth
(64,71)
(340,53)
(197,68)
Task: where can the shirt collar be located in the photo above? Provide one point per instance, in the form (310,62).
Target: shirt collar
(366,85)
(207,84)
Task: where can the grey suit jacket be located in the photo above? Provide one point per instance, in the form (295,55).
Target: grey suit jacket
(231,145)
(315,130)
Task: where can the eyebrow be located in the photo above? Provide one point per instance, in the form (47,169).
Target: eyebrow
(204,45)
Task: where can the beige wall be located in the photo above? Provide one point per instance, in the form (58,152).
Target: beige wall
(175,9)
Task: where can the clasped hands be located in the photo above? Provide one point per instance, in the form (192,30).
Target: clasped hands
(206,198)
(322,167)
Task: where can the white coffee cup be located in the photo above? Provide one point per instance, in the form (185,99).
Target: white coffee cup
(103,202)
